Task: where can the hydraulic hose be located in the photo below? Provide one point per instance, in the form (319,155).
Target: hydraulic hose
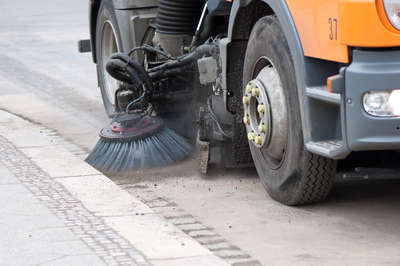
(199,52)
(121,67)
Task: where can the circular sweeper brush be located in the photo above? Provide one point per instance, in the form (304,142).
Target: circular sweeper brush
(134,141)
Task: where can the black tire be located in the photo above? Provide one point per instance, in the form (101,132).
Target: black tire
(300,177)
(106,18)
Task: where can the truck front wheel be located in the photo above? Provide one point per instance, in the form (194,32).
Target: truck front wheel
(107,43)
(290,173)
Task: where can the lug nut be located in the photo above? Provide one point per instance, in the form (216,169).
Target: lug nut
(261,127)
(255,92)
(258,140)
(251,136)
(246,119)
(245,101)
(261,109)
(249,88)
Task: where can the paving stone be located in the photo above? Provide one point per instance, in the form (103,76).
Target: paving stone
(221,246)
(232,254)
(201,233)
(191,227)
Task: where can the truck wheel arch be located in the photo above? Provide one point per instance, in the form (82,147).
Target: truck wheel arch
(122,7)
(94,6)
(309,71)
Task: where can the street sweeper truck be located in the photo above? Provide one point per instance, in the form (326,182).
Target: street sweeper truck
(306,90)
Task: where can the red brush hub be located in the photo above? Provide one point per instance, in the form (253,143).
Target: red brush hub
(128,127)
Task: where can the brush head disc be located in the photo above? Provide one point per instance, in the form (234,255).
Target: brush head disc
(129,127)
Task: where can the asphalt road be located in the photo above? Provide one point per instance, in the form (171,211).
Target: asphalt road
(43,78)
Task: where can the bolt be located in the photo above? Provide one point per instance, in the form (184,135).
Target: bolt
(246,119)
(245,101)
(261,109)
(249,88)
(251,136)
(261,127)
(255,92)
(258,140)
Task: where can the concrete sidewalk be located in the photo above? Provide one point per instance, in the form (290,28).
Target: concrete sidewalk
(57,210)
(31,234)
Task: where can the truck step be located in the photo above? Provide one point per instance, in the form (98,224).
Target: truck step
(332,148)
(321,93)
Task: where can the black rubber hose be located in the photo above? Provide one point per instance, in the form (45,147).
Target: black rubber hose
(118,70)
(138,68)
(151,49)
(123,68)
(165,73)
(202,50)
(121,71)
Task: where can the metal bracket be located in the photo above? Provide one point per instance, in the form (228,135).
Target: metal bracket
(203,155)
(84,46)
(208,69)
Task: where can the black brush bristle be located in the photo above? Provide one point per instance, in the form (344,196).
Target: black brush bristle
(163,148)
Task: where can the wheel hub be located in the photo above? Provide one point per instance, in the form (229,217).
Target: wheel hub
(265,112)
(257,115)
(128,127)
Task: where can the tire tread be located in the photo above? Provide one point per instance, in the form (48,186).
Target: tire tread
(318,179)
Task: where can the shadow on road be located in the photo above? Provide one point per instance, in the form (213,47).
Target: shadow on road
(382,191)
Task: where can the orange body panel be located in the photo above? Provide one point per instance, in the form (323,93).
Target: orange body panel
(364,23)
(317,22)
(328,27)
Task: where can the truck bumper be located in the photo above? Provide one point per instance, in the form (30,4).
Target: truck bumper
(371,71)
